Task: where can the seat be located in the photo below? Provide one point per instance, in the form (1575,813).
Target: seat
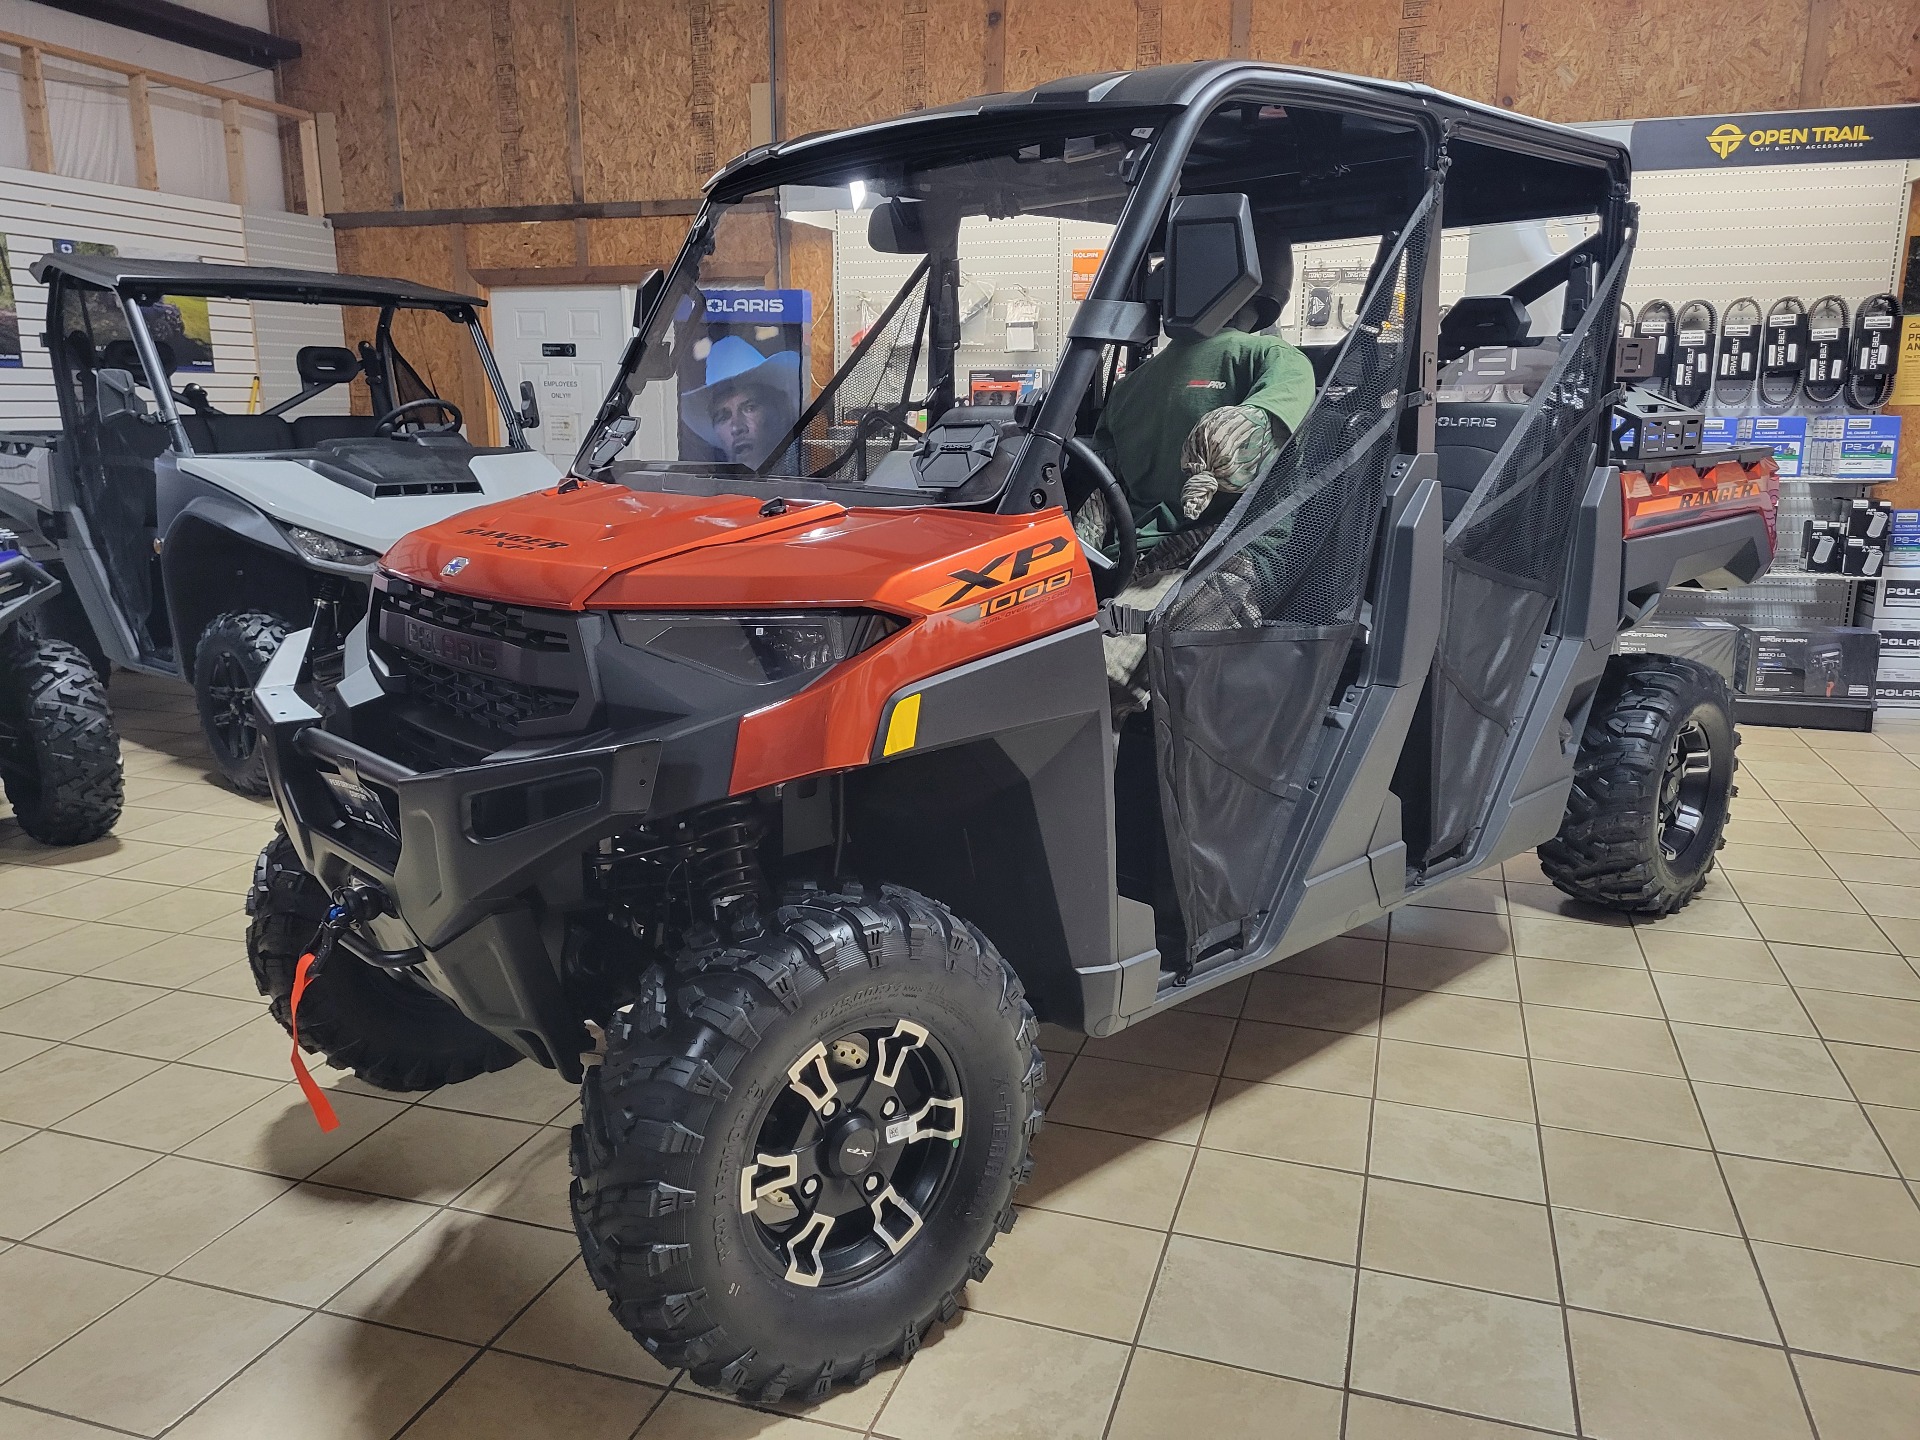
(1467,435)
(245,434)
(311,430)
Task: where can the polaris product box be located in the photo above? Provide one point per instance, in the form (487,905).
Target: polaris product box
(1785,435)
(1720,432)
(1713,643)
(1854,447)
(1827,663)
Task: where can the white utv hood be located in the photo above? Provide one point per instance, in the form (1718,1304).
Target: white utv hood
(296,494)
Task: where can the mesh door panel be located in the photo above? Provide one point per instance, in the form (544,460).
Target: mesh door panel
(1506,555)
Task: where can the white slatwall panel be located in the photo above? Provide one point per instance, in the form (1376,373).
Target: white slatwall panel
(294,242)
(37,209)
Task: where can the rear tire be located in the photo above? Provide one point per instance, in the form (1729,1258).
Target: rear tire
(387,1030)
(1651,788)
(722,1062)
(64,780)
(232,654)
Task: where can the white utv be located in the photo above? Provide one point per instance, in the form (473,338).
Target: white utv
(193,539)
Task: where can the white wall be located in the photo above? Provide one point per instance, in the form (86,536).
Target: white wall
(88,108)
(294,242)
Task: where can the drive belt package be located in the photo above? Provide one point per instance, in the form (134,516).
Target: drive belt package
(1737,364)
(1784,360)
(1876,355)
(1655,323)
(1827,338)
(1693,352)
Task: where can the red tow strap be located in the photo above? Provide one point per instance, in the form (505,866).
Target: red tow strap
(316,1097)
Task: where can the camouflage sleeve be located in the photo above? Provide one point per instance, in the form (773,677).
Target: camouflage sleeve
(1224,451)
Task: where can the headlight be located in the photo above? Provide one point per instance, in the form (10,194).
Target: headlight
(325,550)
(757,648)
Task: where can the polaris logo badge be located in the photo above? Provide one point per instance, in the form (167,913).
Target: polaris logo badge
(472,652)
(1486,422)
(455,565)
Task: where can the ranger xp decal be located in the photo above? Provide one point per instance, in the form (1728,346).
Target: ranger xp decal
(1001,569)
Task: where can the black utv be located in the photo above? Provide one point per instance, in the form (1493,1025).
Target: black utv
(766,777)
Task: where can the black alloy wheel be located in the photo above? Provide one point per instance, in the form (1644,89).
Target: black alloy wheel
(1686,791)
(230,709)
(232,654)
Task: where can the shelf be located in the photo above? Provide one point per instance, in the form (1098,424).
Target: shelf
(1808,713)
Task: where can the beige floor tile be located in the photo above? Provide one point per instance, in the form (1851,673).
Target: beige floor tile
(1554,904)
(1454,972)
(1726,918)
(1177,1040)
(1744,859)
(1262,1311)
(330,1379)
(1859,1402)
(1905,935)
(1220,1000)
(1592,1037)
(1292,1055)
(1736,1004)
(1451,929)
(259,1047)
(530,1185)
(1843,1305)
(181,910)
(177,866)
(1133,1099)
(1665,1184)
(17,984)
(1049,1385)
(1369,1418)
(1850,971)
(23,884)
(1847,840)
(234,981)
(1314,1001)
(169,1107)
(1654,1383)
(278,1134)
(525,1091)
(1105,1176)
(1819,927)
(1617,1102)
(11,1134)
(1765,824)
(504,1397)
(1859,1019)
(174,961)
(1576,986)
(173,1026)
(1795,892)
(73,1007)
(306,1245)
(427,1155)
(1484,895)
(1805,1129)
(1874,869)
(1451,1079)
(1880,1076)
(570,1324)
(1658,1272)
(460,1276)
(154,1220)
(688,1415)
(1866,1215)
(1271,1205)
(64,1079)
(46,1175)
(1763,1062)
(152,1360)
(1088,1276)
(1714,955)
(98,897)
(1575,940)
(1490,1355)
(1282,1122)
(1895,902)
(1460,1152)
(1345,957)
(1464,1021)
(1899,1131)
(1176,1395)
(1478,1241)
(50,1297)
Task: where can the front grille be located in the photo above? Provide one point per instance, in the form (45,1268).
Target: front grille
(484,700)
(477,617)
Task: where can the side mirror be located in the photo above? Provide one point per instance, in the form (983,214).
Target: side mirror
(898,227)
(529,406)
(644,299)
(1212,267)
(117,399)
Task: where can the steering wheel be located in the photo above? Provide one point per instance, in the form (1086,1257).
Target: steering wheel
(390,421)
(1110,577)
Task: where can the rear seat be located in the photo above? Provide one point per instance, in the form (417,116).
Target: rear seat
(1467,435)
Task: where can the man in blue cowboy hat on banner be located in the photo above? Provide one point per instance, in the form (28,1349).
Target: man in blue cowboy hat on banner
(749,402)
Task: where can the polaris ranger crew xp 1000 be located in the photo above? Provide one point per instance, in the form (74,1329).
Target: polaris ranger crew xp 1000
(779,771)
(191,539)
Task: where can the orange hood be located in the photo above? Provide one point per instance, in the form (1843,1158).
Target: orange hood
(605,546)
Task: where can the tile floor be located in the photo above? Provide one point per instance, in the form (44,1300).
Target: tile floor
(1496,1169)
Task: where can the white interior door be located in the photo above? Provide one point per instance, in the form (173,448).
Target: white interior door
(567,341)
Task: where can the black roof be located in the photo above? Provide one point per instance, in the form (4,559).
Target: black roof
(246,282)
(1159,91)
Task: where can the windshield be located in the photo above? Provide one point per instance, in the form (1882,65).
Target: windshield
(818,329)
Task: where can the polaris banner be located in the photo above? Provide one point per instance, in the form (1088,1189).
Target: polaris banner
(1785,137)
